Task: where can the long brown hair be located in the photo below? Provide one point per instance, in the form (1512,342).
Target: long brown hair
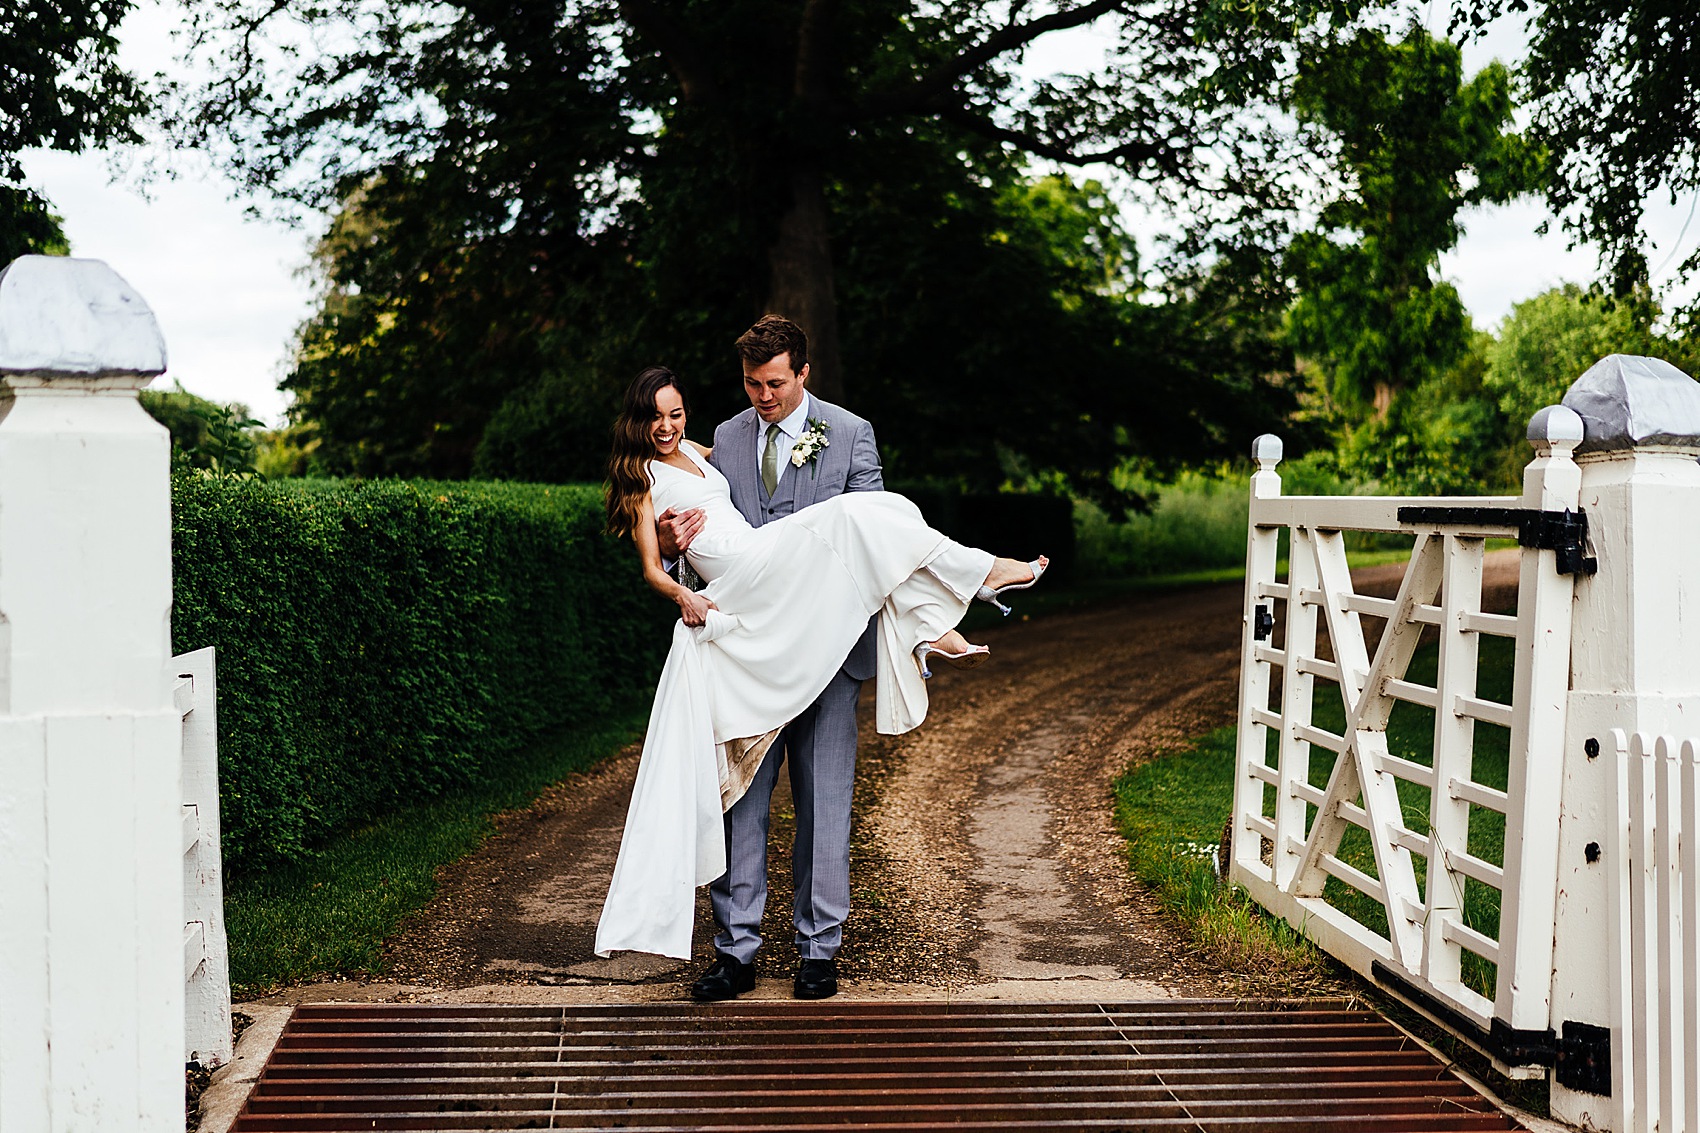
(628,463)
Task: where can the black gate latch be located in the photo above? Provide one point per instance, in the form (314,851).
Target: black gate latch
(1565,532)
(1262,623)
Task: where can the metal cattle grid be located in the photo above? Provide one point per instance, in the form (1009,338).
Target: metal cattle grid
(1155,1065)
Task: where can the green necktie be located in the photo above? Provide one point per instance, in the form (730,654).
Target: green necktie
(770,461)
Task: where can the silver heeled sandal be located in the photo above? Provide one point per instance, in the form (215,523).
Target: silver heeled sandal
(967,659)
(986,594)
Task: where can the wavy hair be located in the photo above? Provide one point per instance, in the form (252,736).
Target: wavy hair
(628,462)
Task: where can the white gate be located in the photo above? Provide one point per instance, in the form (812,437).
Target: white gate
(1563,941)
(206,951)
(1288,830)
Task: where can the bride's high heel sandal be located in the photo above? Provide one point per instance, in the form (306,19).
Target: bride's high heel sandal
(966,659)
(986,594)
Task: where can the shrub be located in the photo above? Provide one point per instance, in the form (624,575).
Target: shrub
(1196,523)
(383,643)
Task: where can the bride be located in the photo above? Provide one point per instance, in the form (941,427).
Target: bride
(783,605)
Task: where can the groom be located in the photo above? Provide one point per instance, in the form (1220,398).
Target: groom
(754,452)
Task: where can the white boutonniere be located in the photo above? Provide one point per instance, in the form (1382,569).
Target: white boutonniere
(808,448)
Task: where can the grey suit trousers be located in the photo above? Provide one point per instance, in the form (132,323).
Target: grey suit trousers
(820,747)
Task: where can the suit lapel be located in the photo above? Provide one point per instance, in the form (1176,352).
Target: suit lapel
(747,467)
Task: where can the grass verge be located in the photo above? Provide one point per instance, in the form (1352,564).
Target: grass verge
(1171,811)
(331,915)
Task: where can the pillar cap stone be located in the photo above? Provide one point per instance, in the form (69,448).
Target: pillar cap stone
(71,318)
(1626,401)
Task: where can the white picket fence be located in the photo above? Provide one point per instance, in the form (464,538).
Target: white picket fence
(206,950)
(1656,915)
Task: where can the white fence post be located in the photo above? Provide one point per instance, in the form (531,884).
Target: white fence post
(206,950)
(1633,661)
(91,899)
(1262,544)
(1551,483)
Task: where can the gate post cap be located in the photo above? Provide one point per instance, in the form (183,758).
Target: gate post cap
(1556,424)
(1627,401)
(1266,450)
(68,318)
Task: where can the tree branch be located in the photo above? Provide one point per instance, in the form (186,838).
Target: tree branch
(1136,152)
(696,81)
(942,78)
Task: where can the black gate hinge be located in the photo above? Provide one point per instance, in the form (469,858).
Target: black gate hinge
(1564,532)
(1584,1058)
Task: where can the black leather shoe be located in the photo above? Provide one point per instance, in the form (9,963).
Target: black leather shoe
(816,979)
(726,978)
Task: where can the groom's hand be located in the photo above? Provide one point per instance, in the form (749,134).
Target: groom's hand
(675,530)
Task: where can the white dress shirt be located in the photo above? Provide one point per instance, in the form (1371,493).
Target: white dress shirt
(792,429)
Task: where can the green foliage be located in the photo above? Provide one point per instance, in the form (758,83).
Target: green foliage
(1416,144)
(28,225)
(1612,87)
(1197,522)
(1547,342)
(289,451)
(331,915)
(64,90)
(384,644)
(535,199)
(207,435)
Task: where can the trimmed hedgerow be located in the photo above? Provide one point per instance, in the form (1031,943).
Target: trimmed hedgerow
(383,643)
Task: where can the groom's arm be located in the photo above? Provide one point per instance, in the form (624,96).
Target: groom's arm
(865,473)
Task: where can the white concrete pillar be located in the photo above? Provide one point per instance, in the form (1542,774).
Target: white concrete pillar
(1635,654)
(91,872)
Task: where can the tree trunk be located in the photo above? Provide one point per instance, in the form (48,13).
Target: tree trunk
(801,285)
(1383,399)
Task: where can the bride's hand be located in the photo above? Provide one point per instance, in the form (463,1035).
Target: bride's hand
(694,608)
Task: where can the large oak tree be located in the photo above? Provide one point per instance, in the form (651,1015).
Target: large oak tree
(534,194)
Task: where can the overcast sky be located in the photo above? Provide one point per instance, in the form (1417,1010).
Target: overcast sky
(229,290)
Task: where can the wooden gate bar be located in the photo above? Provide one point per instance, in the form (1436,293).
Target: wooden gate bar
(1165,1064)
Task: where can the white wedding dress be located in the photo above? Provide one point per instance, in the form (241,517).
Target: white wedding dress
(792,597)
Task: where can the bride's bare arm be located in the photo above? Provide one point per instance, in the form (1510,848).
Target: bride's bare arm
(693,607)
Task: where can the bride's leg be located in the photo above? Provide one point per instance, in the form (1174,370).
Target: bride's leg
(1006,572)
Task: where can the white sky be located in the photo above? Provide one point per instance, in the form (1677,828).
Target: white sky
(228,289)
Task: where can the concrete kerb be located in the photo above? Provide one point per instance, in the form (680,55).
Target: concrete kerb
(234,1081)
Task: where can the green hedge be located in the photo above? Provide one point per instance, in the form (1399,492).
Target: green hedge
(382,643)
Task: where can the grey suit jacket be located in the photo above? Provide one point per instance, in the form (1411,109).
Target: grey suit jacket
(850,463)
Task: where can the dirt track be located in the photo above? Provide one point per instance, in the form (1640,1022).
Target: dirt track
(984,860)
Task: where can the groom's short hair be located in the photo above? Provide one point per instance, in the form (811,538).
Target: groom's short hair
(772,336)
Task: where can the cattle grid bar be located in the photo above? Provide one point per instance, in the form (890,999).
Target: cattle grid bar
(1165,1064)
